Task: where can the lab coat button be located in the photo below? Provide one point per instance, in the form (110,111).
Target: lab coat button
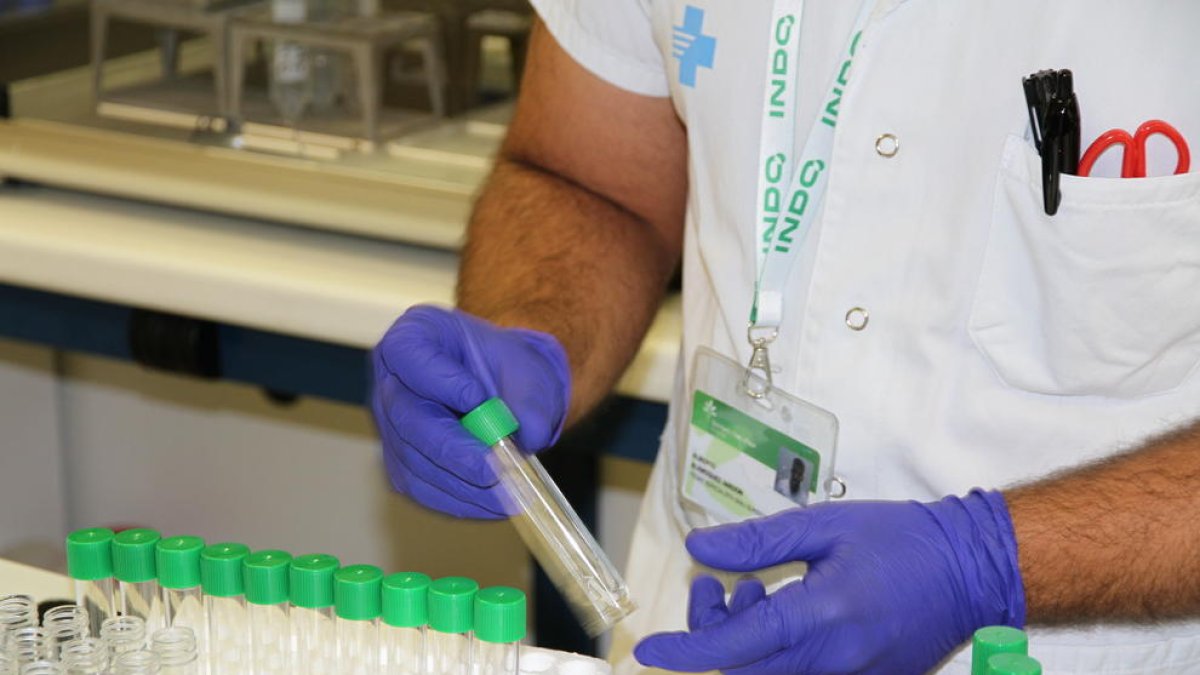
(887,145)
(857,318)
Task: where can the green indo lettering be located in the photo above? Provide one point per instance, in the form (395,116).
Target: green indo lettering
(772,197)
(780,66)
(835,100)
(809,174)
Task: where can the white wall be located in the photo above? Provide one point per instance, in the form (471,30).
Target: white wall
(32,508)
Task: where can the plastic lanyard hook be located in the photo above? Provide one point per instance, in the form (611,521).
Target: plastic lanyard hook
(758,381)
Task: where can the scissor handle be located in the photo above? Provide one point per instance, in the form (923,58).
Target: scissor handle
(1104,142)
(1183,159)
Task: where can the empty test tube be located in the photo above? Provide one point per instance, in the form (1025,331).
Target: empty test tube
(86,656)
(499,628)
(178,561)
(43,668)
(8,663)
(451,617)
(549,526)
(405,613)
(64,624)
(358,603)
(176,649)
(141,662)
(265,575)
(123,634)
(225,604)
(314,632)
(89,563)
(16,611)
(134,566)
(30,644)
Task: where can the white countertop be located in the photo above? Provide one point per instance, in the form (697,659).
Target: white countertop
(323,286)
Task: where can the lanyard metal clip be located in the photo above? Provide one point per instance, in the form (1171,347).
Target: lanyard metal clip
(757,381)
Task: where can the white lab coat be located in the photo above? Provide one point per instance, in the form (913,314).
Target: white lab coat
(1002,345)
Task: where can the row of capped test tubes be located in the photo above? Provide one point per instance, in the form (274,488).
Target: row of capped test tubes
(62,643)
(269,613)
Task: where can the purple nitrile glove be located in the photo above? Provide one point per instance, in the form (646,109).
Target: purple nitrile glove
(892,587)
(435,365)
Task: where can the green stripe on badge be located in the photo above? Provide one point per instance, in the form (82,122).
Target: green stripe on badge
(750,436)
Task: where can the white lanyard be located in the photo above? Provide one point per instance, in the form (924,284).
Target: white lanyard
(789,192)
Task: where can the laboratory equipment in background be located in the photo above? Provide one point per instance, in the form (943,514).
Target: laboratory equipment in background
(444,627)
(549,526)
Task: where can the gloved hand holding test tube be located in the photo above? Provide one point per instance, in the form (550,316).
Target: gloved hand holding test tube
(435,366)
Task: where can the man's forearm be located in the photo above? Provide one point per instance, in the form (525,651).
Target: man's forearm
(545,253)
(1117,540)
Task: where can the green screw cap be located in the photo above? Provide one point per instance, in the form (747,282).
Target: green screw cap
(178,560)
(221,569)
(312,580)
(406,599)
(500,615)
(265,574)
(452,604)
(89,554)
(491,421)
(133,555)
(357,592)
(1013,664)
(992,640)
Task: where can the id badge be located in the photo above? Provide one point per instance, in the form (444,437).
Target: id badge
(750,451)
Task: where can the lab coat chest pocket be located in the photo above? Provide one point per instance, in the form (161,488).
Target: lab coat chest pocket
(1101,299)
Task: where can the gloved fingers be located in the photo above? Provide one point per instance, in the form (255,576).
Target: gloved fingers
(780,663)
(432,497)
(411,461)
(754,544)
(423,350)
(542,408)
(433,431)
(743,639)
(706,602)
(747,592)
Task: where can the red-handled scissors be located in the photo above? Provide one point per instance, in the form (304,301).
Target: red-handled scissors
(1133,164)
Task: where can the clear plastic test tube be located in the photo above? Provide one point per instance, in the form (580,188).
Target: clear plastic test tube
(89,563)
(138,592)
(265,575)
(358,602)
(314,633)
(87,656)
(176,649)
(451,618)
(16,611)
(42,668)
(550,528)
(123,634)
(140,662)
(64,624)
(225,606)
(178,561)
(405,613)
(30,644)
(500,624)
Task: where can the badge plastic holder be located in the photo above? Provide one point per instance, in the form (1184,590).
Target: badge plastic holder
(749,448)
